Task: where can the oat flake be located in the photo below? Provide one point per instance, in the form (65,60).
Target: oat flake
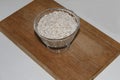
(57,25)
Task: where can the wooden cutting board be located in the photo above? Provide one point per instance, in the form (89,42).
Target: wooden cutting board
(88,55)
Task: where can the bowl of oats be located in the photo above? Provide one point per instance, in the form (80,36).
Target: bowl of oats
(57,28)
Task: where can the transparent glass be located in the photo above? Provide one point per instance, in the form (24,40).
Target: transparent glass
(57,45)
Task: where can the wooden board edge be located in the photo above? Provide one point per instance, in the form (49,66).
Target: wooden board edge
(31,56)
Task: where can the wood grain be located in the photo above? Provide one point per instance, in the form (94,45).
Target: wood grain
(88,55)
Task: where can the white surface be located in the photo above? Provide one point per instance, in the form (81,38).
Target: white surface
(103,14)
(112,72)
(16,65)
(7,7)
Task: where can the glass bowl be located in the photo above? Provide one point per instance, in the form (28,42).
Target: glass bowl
(57,45)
